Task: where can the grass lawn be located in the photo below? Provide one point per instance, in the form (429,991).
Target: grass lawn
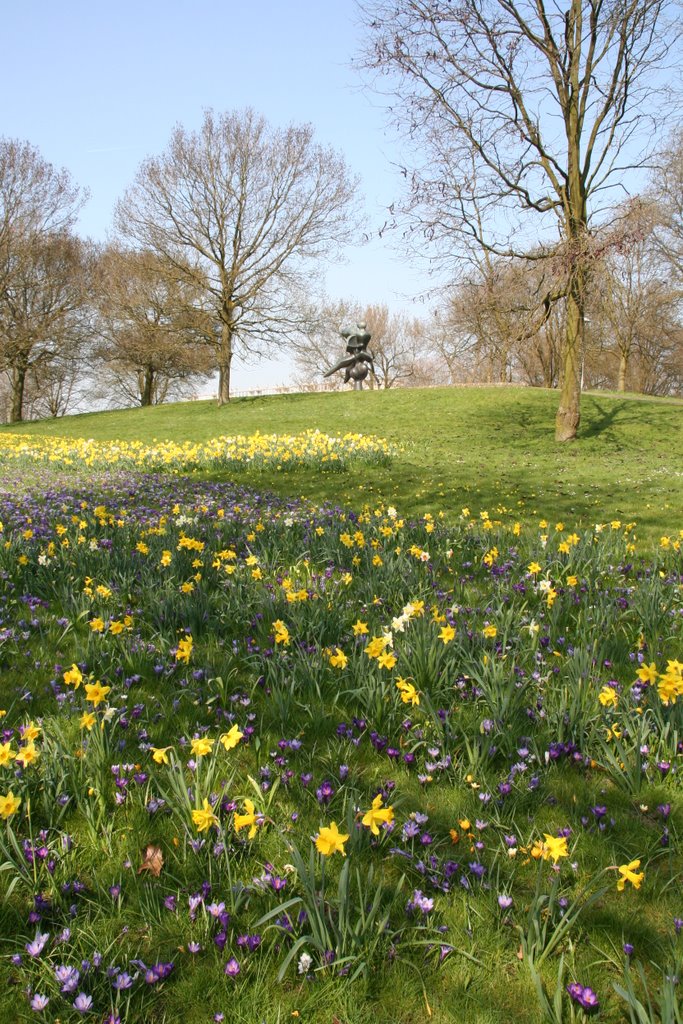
(480,447)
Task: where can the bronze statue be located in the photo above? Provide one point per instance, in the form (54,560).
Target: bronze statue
(359,361)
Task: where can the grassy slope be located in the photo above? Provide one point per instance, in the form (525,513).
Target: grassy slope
(475,446)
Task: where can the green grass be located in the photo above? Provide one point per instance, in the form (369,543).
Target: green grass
(480,447)
(477,446)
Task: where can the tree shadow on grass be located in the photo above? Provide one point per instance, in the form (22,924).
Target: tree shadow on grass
(599,417)
(606,417)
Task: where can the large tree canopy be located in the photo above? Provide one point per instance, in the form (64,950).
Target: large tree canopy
(42,265)
(519,108)
(245,210)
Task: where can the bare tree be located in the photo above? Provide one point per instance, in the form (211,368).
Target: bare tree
(636,304)
(55,386)
(499,329)
(522,107)
(244,211)
(153,329)
(43,268)
(44,310)
(667,192)
(398,344)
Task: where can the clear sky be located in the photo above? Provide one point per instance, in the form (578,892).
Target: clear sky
(98,86)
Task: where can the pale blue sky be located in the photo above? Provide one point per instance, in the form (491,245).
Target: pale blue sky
(98,87)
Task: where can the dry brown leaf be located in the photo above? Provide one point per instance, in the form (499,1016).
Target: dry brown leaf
(152,860)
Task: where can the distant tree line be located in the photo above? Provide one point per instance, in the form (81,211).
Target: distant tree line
(213,246)
(216,250)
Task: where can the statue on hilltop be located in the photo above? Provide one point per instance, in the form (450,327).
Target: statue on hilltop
(359,361)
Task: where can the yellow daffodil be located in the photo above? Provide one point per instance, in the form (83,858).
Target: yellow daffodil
(409,694)
(87,720)
(248,820)
(670,683)
(27,755)
(376,646)
(377,815)
(446,634)
(330,840)
(387,660)
(281,633)
(628,874)
(231,738)
(9,805)
(554,847)
(338,659)
(96,693)
(30,732)
(160,754)
(648,673)
(201,746)
(73,677)
(204,818)
(608,697)
(184,649)
(6,753)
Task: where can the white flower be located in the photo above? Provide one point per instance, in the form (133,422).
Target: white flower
(391,512)
(305,962)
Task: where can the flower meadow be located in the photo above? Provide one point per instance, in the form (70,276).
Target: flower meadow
(254,451)
(267,760)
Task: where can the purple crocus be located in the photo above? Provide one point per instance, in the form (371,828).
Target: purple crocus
(39,1002)
(420,902)
(83,1003)
(37,945)
(67,977)
(122,981)
(232,968)
(584,996)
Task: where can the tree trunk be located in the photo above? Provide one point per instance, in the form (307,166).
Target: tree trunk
(224,360)
(576,223)
(623,367)
(18,385)
(147,387)
(569,411)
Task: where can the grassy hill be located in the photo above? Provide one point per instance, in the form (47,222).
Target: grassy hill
(481,447)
